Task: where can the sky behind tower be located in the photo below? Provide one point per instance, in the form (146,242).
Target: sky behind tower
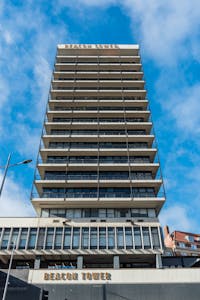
(169,36)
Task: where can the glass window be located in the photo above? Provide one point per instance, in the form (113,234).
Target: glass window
(85,238)
(45,212)
(23,238)
(102,213)
(40,240)
(94,212)
(49,238)
(5,239)
(146,238)
(128,238)
(111,238)
(155,237)
(182,245)
(151,213)
(61,213)
(76,238)
(194,247)
(69,213)
(143,212)
(190,238)
(53,212)
(135,212)
(86,213)
(124,213)
(120,238)
(14,237)
(77,213)
(32,238)
(58,238)
(67,238)
(102,238)
(93,238)
(110,213)
(137,238)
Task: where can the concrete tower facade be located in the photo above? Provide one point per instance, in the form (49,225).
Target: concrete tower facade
(97,186)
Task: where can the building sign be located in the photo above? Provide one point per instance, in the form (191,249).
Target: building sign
(91,46)
(100,276)
(71,276)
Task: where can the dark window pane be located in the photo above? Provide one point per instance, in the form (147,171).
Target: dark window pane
(14,238)
(146,238)
(93,238)
(5,239)
(137,238)
(128,238)
(23,238)
(67,238)
(32,238)
(76,238)
(120,238)
(40,241)
(58,238)
(49,238)
(102,238)
(111,238)
(155,237)
(85,238)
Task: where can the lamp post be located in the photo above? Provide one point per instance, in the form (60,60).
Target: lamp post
(8,165)
(8,274)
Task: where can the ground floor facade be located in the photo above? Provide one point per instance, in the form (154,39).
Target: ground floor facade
(103,284)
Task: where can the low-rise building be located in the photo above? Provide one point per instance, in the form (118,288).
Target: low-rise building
(182,243)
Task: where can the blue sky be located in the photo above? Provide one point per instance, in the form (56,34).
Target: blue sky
(169,35)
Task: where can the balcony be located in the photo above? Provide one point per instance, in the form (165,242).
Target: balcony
(67,94)
(106,67)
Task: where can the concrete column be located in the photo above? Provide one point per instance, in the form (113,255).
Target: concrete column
(116,262)
(79,262)
(37,262)
(158,261)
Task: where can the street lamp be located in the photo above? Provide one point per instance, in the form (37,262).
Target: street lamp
(9,269)
(27,161)
(8,165)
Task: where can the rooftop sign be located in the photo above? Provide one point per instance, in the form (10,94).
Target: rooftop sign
(91,46)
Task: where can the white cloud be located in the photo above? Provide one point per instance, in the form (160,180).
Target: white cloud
(26,140)
(14,200)
(167,30)
(42,76)
(88,3)
(178,217)
(164,28)
(184,107)
(4,91)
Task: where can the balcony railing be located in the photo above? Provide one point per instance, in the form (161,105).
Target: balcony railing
(119,176)
(97,88)
(95,132)
(100,108)
(98,71)
(97,146)
(95,195)
(77,160)
(86,62)
(83,98)
(124,79)
(96,120)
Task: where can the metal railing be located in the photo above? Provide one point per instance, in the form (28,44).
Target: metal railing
(94,195)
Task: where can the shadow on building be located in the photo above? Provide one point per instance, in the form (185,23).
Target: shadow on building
(19,289)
